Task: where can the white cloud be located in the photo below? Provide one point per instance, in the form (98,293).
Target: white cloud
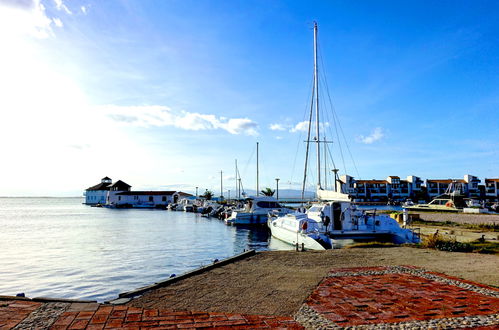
(155,115)
(24,18)
(57,22)
(59,4)
(303,126)
(83,9)
(376,135)
(278,137)
(300,127)
(277,127)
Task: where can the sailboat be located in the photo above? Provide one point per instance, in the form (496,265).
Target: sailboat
(256,208)
(334,217)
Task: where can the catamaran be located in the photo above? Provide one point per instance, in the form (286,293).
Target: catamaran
(334,217)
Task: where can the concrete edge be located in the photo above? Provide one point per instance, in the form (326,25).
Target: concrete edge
(139,291)
(46,299)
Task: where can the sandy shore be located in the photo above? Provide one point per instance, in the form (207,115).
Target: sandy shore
(277,282)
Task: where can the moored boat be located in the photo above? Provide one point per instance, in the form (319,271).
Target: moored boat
(334,217)
(255,211)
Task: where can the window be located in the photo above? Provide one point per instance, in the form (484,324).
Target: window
(163,199)
(150,198)
(268,205)
(119,198)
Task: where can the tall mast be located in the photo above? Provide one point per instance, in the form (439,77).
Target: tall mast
(257,171)
(221,185)
(237,185)
(316,87)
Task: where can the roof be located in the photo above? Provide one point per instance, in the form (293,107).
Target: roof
(493,180)
(106,178)
(119,183)
(372,181)
(149,193)
(100,186)
(445,181)
(394,177)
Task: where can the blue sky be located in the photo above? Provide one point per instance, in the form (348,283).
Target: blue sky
(165,94)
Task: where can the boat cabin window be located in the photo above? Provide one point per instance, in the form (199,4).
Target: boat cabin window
(439,202)
(315,209)
(268,205)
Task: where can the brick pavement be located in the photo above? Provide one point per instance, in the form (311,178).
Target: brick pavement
(385,295)
(14,311)
(372,297)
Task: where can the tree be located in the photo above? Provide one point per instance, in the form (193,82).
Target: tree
(207,194)
(268,192)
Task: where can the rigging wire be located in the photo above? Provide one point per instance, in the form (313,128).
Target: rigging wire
(300,138)
(336,116)
(308,144)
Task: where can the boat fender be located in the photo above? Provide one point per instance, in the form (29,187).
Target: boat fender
(304,226)
(448,204)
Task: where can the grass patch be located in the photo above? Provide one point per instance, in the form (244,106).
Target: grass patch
(438,242)
(371,245)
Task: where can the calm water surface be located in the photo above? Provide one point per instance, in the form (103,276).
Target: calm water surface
(58,247)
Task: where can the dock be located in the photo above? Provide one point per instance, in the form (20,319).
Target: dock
(357,287)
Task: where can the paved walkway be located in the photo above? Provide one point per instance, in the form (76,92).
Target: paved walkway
(368,297)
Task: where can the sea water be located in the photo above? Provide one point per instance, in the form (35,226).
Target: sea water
(58,247)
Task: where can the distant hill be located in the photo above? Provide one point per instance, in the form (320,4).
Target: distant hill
(285,193)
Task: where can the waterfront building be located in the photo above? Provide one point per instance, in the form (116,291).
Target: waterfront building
(381,190)
(346,185)
(115,189)
(120,194)
(471,186)
(371,190)
(467,187)
(98,194)
(491,188)
(145,198)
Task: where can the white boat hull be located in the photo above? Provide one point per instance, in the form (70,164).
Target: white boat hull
(309,241)
(246,219)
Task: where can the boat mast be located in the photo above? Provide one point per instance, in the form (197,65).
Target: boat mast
(237,186)
(257,171)
(316,88)
(221,185)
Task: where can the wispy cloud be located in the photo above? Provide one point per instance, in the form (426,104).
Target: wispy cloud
(155,115)
(57,22)
(376,135)
(303,126)
(83,9)
(300,127)
(59,4)
(278,127)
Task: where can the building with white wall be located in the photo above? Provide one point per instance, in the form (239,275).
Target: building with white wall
(119,194)
(492,189)
(98,194)
(145,199)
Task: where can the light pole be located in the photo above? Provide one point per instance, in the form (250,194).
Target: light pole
(277,188)
(196,192)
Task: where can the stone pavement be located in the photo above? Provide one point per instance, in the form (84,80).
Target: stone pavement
(397,297)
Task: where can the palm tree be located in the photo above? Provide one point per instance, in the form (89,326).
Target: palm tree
(268,192)
(207,194)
